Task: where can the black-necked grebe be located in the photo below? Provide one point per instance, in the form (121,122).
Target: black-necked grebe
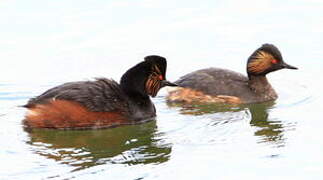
(215,85)
(100,103)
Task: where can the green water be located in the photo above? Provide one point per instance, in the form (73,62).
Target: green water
(129,145)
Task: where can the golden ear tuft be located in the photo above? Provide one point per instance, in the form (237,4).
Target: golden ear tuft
(260,62)
(156,69)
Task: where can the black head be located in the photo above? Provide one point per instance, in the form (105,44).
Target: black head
(147,77)
(266,59)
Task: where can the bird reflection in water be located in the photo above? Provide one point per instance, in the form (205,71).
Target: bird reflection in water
(267,129)
(129,145)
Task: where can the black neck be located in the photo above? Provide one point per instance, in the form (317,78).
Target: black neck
(259,84)
(132,91)
(139,102)
(133,82)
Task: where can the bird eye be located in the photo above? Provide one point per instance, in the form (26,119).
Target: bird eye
(160,77)
(274,61)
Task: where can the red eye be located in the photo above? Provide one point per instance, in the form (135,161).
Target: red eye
(160,77)
(274,61)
